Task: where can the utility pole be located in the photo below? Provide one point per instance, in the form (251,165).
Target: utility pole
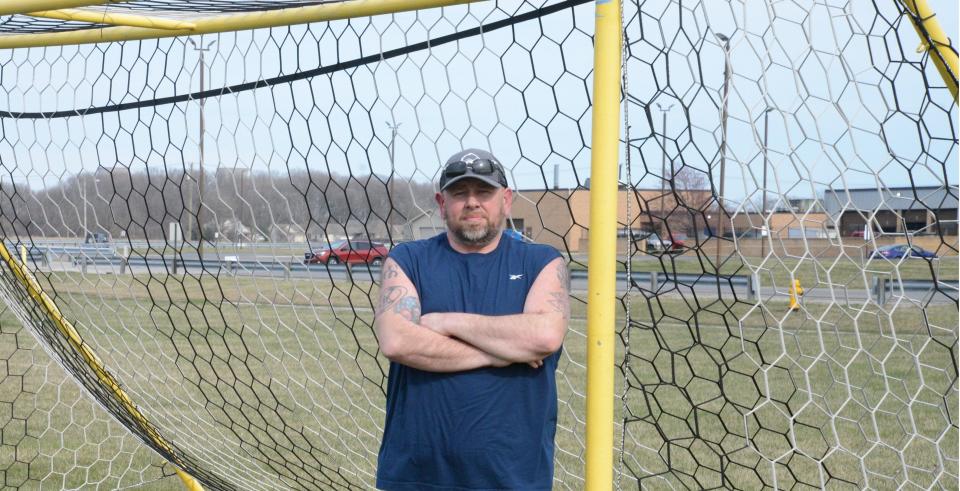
(394,126)
(663,164)
(393,140)
(200,177)
(766,134)
(723,139)
(83,198)
(243,205)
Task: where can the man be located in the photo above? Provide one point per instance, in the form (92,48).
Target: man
(472,322)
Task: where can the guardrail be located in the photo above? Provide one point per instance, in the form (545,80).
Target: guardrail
(654,279)
(161,244)
(42,253)
(884,287)
(226,264)
(33,254)
(234,265)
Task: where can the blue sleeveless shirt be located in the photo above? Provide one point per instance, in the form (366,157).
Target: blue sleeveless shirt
(483,429)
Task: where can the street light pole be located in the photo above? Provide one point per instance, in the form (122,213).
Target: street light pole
(723,138)
(393,147)
(663,161)
(243,205)
(200,177)
(393,139)
(766,133)
(83,198)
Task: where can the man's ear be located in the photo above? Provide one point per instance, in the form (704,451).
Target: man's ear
(439,199)
(507,201)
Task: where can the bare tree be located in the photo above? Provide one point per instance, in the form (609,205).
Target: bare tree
(691,200)
(140,204)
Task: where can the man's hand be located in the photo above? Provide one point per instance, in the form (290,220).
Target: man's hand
(498,362)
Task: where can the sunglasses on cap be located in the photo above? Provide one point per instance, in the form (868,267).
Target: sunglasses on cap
(485,169)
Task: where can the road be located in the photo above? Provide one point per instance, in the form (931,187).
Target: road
(702,286)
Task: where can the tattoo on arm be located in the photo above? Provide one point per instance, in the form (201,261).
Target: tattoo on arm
(561,303)
(561,297)
(389,296)
(391,271)
(409,308)
(563,274)
(406,305)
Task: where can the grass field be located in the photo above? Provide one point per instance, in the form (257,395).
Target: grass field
(809,271)
(259,377)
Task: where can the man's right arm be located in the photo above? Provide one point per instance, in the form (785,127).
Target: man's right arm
(404,341)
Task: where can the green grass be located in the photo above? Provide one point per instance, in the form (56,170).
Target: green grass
(248,373)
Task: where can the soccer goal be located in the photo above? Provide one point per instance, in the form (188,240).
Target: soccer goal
(757,202)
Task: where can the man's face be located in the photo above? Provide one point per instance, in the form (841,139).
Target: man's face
(474,211)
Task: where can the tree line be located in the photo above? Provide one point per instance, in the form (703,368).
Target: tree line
(234,205)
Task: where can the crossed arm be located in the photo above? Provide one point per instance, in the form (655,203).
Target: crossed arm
(442,342)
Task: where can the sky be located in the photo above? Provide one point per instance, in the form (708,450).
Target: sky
(946,10)
(522,91)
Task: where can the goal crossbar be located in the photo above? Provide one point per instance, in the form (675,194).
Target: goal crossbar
(225,23)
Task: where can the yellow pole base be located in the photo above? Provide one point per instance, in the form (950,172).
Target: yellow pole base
(188,481)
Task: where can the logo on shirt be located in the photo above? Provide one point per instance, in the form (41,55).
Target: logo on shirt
(516,276)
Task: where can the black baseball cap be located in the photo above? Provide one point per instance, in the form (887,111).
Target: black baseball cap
(473,163)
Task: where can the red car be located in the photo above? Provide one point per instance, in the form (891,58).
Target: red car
(672,245)
(352,252)
(678,242)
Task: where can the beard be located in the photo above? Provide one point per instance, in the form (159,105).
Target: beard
(476,234)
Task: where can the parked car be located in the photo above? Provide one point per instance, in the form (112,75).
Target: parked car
(513,234)
(746,233)
(348,252)
(673,243)
(97,238)
(901,250)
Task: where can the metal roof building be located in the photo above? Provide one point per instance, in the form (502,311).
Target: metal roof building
(931,209)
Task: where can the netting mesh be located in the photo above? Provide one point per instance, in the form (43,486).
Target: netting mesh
(170,223)
(726,385)
(54,436)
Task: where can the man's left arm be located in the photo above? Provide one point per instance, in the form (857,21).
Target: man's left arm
(521,338)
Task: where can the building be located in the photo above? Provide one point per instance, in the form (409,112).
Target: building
(287,232)
(801,205)
(918,210)
(783,225)
(561,217)
(425,225)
